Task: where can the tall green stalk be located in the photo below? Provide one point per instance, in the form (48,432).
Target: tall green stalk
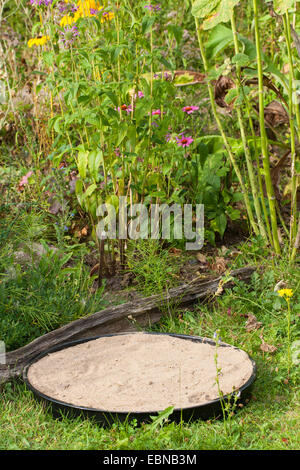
(222,132)
(250,168)
(293,110)
(259,176)
(263,135)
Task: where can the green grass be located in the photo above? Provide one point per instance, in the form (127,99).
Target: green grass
(45,291)
(269,421)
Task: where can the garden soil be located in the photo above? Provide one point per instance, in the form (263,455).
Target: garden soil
(140,372)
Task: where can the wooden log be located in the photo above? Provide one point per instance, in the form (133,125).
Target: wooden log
(120,318)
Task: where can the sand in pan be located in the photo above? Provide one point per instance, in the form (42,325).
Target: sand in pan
(139,372)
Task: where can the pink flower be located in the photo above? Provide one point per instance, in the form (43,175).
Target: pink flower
(139,94)
(126,108)
(24,180)
(184,141)
(190,109)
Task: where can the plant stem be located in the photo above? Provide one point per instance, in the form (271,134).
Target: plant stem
(244,139)
(226,143)
(263,135)
(292,109)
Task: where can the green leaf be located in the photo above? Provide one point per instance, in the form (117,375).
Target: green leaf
(82,163)
(220,38)
(221,14)
(79,192)
(234,214)
(122,133)
(177,32)
(112,97)
(114,201)
(57,124)
(240,59)
(184,79)
(147,24)
(132,136)
(202,8)
(202,151)
(219,224)
(231,95)
(94,161)
(48,58)
(282,6)
(161,418)
(90,190)
(213,12)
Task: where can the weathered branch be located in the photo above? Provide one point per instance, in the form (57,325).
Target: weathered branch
(124,317)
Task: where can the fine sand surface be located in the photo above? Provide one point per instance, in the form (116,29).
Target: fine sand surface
(139,372)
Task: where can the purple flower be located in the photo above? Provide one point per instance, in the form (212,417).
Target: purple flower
(67,7)
(184,141)
(190,109)
(69,34)
(152,7)
(62,7)
(40,2)
(163,75)
(94,11)
(217,337)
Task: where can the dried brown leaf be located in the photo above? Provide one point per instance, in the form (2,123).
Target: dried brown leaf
(201,258)
(219,265)
(222,86)
(265,347)
(252,323)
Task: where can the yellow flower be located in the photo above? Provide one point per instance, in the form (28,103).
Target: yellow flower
(84,11)
(39,41)
(97,75)
(85,6)
(67,19)
(107,17)
(286,293)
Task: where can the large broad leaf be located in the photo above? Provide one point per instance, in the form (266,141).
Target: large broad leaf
(202,8)
(82,163)
(282,6)
(213,12)
(220,38)
(221,14)
(95,158)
